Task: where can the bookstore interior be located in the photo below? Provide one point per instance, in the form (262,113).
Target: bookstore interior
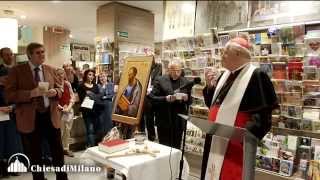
(285,38)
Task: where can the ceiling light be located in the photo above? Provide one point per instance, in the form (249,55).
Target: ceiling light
(23,16)
(188,7)
(55,1)
(9,33)
(70,36)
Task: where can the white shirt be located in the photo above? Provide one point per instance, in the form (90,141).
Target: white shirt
(32,67)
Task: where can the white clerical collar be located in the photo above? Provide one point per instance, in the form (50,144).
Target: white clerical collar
(32,66)
(242,66)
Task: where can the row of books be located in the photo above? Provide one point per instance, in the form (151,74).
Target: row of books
(189,43)
(293,70)
(288,155)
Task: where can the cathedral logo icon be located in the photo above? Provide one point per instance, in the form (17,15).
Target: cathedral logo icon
(18,163)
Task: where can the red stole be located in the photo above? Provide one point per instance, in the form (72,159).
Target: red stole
(233,160)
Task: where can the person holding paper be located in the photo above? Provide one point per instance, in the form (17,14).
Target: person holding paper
(10,141)
(169,100)
(37,113)
(88,93)
(128,103)
(243,96)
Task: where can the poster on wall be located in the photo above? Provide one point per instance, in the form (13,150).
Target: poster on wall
(263,13)
(132,90)
(179,19)
(80,52)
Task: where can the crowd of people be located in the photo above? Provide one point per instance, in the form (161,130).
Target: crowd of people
(37,106)
(37,109)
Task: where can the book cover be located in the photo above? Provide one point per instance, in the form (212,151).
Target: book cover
(286,167)
(316,126)
(284,49)
(310,73)
(306,125)
(256,50)
(316,153)
(265,38)
(265,49)
(295,70)
(298,33)
(257,38)
(294,86)
(279,70)
(312,61)
(314,170)
(292,123)
(292,98)
(123,103)
(292,50)
(286,35)
(313,46)
(311,114)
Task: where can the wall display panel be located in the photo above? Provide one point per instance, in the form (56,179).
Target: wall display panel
(179,19)
(264,13)
(227,15)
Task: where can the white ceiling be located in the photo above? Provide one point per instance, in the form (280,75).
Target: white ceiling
(77,16)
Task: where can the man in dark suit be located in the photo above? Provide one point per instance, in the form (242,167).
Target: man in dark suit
(37,112)
(10,142)
(169,98)
(148,110)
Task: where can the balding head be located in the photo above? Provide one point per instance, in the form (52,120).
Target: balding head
(236,53)
(174,70)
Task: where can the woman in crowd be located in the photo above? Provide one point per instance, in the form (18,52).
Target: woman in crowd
(106,89)
(88,91)
(65,105)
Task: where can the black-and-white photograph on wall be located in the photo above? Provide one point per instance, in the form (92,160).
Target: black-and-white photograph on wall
(263,13)
(227,15)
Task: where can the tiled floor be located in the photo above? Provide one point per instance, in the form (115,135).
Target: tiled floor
(73,176)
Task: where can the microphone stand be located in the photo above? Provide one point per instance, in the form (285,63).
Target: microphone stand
(183,146)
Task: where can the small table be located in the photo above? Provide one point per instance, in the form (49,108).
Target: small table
(142,167)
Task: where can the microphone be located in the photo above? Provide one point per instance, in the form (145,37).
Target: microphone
(189,85)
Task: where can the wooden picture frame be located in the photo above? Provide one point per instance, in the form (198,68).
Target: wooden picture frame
(129,100)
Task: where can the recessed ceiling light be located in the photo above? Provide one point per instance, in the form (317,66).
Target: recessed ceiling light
(70,36)
(23,16)
(55,1)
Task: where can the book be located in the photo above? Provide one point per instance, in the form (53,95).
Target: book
(316,153)
(292,98)
(298,33)
(279,70)
(286,167)
(293,86)
(310,73)
(295,70)
(112,146)
(291,111)
(313,46)
(123,103)
(314,170)
(286,35)
(312,61)
(292,49)
(257,38)
(265,38)
(265,49)
(311,114)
